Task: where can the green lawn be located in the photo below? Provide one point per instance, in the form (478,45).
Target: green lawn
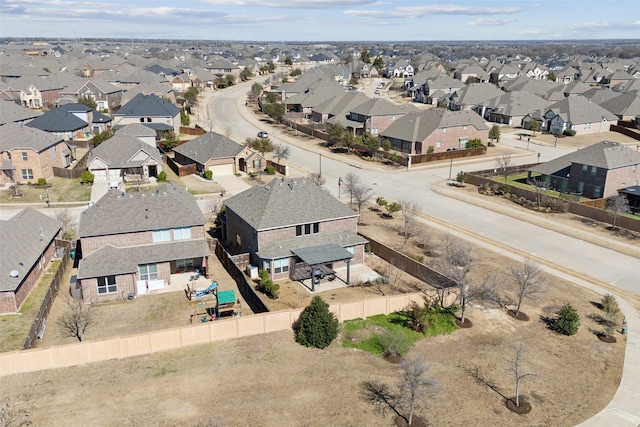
(14,328)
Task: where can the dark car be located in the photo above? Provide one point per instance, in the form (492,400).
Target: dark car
(263,134)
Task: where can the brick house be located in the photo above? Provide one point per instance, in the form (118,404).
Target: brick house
(28,154)
(27,244)
(441,129)
(106,95)
(596,171)
(375,115)
(72,121)
(133,243)
(153,111)
(292,227)
(577,113)
(124,157)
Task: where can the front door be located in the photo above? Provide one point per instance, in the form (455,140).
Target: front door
(153,171)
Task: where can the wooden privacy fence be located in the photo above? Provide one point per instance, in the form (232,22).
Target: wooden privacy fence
(40,322)
(18,362)
(626,130)
(448,155)
(197,130)
(178,169)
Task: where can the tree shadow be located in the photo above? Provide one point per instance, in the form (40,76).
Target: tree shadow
(548,321)
(599,319)
(597,305)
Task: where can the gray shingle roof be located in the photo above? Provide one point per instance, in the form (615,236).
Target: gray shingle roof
(135,130)
(23,238)
(110,260)
(285,202)
(147,106)
(517,103)
(12,112)
(381,107)
(578,110)
(61,119)
(604,155)
(283,248)
(167,207)
(15,135)
(476,93)
(627,104)
(118,151)
(209,146)
(417,126)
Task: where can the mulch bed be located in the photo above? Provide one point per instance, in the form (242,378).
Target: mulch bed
(521,316)
(464,325)
(393,358)
(604,338)
(416,421)
(524,408)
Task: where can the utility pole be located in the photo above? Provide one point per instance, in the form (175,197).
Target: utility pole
(320,171)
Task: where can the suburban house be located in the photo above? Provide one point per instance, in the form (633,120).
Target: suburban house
(510,108)
(625,106)
(218,154)
(126,158)
(151,110)
(471,71)
(134,243)
(474,97)
(504,74)
(107,96)
(579,114)
(27,244)
(435,91)
(10,112)
(336,109)
(291,228)
(28,154)
(72,121)
(435,130)
(139,131)
(596,171)
(375,115)
(304,102)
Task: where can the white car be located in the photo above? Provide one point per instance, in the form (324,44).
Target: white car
(263,134)
(380,85)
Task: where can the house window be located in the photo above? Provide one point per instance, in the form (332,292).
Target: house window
(266,265)
(298,230)
(596,191)
(256,164)
(584,169)
(182,233)
(307,229)
(316,227)
(593,171)
(635,169)
(444,129)
(350,249)
(464,127)
(184,264)
(148,271)
(27,173)
(52,152)
(25,156)
(161,235)
(438,144)
(107,285)
(280,265)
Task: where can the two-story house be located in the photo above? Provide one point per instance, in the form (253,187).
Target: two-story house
(596,171)
(577,113)
(28,154)
(375,115)
(153,111)
(133,243)
(107,96)
(292,227)
(72,121)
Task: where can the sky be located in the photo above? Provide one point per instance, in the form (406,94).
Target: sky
(322,20)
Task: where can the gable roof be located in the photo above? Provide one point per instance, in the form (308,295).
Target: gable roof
(578,109)
(60,119)
(209,146)
(136,130)
(118,151)
(23,239)
(627,104)
(381,107)
(517,103)
(147,106)
(115,213)
(417,126)
(285,202)
(12,112)
(476,93)
(604,155)
(15,135)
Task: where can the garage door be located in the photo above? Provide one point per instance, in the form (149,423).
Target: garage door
(222,169)
(99,175)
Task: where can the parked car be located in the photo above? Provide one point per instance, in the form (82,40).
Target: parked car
(377,92)
(380,85)
(263,134)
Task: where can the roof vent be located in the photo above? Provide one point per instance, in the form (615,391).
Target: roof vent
(14,273)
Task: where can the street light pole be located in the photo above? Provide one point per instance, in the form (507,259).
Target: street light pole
(320,172)
(451,165)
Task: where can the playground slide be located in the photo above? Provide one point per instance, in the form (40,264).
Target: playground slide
(209,290)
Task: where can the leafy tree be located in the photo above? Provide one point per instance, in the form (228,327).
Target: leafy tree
(86,177)
(610,305)
(381,202)
(281,152)
(528,281)
(288,60)
(336,133)
(76,319)
(618,205)
(207,174)
(364,56)
(461,177)
(102,137)
(473,143)
(88,101)
(261,145)
(568,320)
(271,98)
(371,142)
(534,126)
(295,72)
(317,326)
(267,286)
(494,133)
(230,80)
(170,140)
(378,63)
(191,94)
(348,140)
(386,144)
(275,111)
(256,90)
(184,118)
(392,208)
(245,74)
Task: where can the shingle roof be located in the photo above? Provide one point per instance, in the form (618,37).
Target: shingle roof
(15,135)
(285,202)
(110,260)
(23,238)
(12,112)
(627,104)
(148,106)
(381,107)
(114,213)
(118,152)
(517,103)
(476,93)
(60,119)
(417,126)
(578,110)
(135,130)
(604,155)
(283,248)
(209,146)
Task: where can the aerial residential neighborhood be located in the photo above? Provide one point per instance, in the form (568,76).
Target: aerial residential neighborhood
(448,212)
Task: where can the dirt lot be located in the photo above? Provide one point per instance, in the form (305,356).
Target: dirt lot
(290,385)
(580,140)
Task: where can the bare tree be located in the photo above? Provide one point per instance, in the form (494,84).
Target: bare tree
(281,152)
(213,208)
(413,389)
(351,181)
(227,131)
(618,205)
(76,319)
(66,223)
(410,212)
(519,373)
(540,185)
(362,195)
(317,179)
(528,281)
(503,162)
(10,416)
(455,263)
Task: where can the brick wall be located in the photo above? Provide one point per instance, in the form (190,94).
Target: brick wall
(271,236)
(91,244)
(451,138)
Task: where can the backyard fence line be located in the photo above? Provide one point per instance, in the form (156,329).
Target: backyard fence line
(34,360)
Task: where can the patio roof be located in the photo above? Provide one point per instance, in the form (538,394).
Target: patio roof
(322,254)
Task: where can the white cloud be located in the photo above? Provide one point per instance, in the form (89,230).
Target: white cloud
(490,22)
(408,12)
(293,4)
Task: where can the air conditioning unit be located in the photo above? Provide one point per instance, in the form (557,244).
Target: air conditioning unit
(252,271)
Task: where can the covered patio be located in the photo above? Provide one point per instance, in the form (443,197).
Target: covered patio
(316,263)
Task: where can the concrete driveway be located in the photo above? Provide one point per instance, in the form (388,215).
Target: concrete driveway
(231,184)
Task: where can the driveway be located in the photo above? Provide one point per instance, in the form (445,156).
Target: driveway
(232,184)
(98,190)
